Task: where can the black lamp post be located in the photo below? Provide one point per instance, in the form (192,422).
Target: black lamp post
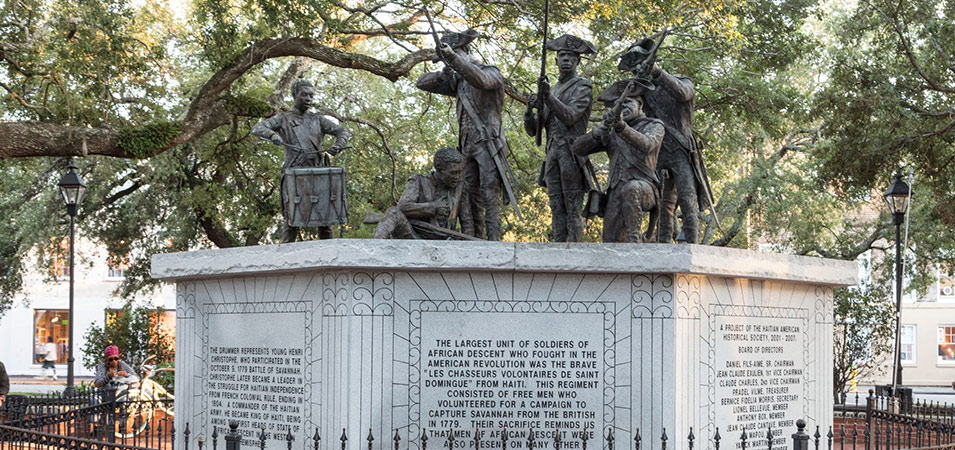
(898,197)
(72,187)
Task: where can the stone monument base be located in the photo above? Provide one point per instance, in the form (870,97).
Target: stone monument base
(423,337)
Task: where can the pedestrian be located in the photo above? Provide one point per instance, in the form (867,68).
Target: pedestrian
(4,383)
(49,357)
(112,367)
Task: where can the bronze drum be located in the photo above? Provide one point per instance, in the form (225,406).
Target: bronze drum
(314,196)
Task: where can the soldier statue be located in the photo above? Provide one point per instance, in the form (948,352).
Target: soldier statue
(439,200)
(301,133)
(479,90)
(566,109)
(680,165)
(632,142)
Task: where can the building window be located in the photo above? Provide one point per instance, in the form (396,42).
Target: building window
(117,267)
(60,259)
(47,324)
(946,343)
(907,343)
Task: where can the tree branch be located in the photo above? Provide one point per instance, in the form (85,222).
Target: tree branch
(207,110)
(384,145)
(932,83)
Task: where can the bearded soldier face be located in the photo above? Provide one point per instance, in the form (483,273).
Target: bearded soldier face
(632,108)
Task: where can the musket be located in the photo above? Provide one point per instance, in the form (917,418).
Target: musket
(434,34)
(653,53)
(617,108)
(538,138)
(493,147)
(420,225)
(705,181)
(642,69)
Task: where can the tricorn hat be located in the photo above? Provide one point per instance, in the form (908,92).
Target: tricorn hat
(572,43)
(612,93)
(636,54)
(458,40)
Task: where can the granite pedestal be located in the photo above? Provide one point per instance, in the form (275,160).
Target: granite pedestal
(424,336)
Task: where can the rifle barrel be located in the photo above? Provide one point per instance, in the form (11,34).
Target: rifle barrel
(540,101)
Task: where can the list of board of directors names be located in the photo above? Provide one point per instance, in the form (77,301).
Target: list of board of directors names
(259,387)
(758,378)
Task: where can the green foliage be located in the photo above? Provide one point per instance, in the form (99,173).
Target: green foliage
(146,139)
(248,104)
(863,333)
(805,110)
(135,331)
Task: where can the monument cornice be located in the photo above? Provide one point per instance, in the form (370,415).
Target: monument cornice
(422,255)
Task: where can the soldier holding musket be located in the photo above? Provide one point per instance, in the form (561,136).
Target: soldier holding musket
(632,142)
(565,110)
(479,90)
(680,165)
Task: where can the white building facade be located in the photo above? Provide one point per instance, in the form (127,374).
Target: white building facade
(41,311)
(928,336)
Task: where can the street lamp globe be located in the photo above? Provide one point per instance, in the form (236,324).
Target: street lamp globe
(72,187)
(898,198)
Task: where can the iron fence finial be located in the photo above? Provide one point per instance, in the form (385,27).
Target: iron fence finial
(800,437)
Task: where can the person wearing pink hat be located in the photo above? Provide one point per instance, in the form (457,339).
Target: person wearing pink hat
(113,368)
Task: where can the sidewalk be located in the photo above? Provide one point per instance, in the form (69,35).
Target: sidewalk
(33,385)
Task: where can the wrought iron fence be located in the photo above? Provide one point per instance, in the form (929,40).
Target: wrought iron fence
(100,419)
(747,440)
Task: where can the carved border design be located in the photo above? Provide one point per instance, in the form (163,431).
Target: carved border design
(288,306)
(689,295)
(651,295)
(416,307)
(773,312)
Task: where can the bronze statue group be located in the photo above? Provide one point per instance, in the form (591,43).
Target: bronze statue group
(655,164)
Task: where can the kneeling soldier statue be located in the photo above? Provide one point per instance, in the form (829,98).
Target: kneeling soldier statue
(431,205)
(632,141)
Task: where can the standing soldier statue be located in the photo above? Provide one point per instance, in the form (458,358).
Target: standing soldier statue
(301,133)
(479,90)
(680,165)
(564,111)
(632,141)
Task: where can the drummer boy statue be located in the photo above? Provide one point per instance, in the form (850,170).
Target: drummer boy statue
(301,133)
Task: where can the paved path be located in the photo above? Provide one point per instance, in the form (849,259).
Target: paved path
(33,385)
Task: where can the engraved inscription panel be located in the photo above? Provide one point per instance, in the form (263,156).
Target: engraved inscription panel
(256,373)
(759,375)
(516,371)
